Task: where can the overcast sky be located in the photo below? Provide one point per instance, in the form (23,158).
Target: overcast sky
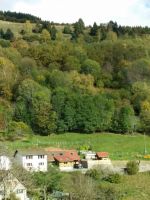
(125,12)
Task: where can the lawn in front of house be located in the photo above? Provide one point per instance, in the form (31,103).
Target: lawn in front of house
(120,147)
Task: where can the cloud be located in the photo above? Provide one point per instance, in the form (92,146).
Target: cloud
(125,12)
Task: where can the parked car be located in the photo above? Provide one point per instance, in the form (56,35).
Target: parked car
(78,166)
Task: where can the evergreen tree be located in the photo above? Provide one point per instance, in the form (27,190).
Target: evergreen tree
(67,30)
(9,35)
(78,28)
(53,32)
(1,33)
(94,29)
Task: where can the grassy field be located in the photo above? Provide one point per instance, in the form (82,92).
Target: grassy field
(15,27)
(135,187)
(120,147)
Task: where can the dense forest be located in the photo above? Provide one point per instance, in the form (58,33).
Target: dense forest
(18,17)
(72,78)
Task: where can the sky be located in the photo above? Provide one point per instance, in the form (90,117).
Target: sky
(124,12)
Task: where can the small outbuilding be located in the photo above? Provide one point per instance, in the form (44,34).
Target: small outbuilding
(102,155)
(67,161)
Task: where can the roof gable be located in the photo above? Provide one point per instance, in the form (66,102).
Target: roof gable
(102,154)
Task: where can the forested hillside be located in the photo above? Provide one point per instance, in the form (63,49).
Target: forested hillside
(18,17)
(56,78)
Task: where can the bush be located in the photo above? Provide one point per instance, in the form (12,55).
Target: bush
(4,43)
(93,173)
(132,167)
(113,178)
(107,192)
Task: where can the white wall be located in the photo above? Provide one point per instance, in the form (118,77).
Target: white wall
(5,163)
(35,161)
(93,163)
(90,156)
(20,192)
(12,185)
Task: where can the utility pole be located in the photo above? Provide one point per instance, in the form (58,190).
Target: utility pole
(145,148)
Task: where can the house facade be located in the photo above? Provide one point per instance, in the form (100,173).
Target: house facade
(89,155)
(32,160)
(5,163)
(11,185)
(100,159)
(65,159)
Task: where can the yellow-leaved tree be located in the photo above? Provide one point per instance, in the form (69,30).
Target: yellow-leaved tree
(8,77)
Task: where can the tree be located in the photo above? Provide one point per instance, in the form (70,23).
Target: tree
(59,101)
(82,83)
(27,67)
(141,92)
(91,67)
(94,30)
(17,130)
(111,36)
(37,28)
(145,116)
(124,120)
(48,181)
(33,107)
(13,55)
(78,28)
(9,35)
(53,32)
(8,77)
(57,79)
(6,115)
(1,33)
(104,108)
(28,27)
(45,35)
(71,63)
(86,114)
(67,29)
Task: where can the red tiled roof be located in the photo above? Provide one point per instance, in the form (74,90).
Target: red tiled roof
(72,155)
(102,154)
(54,153)
(67,157)
(63,159)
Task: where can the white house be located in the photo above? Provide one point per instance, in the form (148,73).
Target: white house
(9,185)
(88,155)
(32,160)
(100,159)
(5,163)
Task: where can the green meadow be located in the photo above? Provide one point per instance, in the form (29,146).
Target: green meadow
(135,187)
(15,27)
(120,147)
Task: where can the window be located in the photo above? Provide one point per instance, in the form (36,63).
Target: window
(29,157)
(41,163)
(29,164)
(40,156)
(19,191)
